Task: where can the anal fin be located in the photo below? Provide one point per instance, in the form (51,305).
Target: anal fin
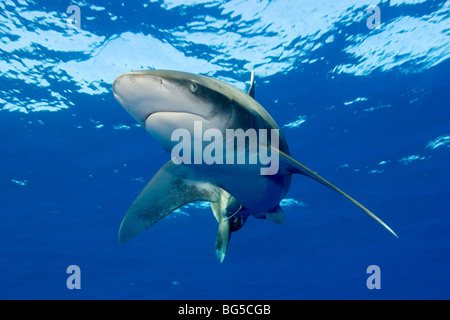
(275,215)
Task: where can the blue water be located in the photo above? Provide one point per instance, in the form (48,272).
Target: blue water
(368,109)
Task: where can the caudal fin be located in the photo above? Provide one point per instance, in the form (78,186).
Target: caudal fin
(294,166)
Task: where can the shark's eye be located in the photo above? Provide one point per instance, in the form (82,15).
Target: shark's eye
(193,87)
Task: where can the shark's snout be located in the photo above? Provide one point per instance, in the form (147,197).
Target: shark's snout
(138,94)
(143,93)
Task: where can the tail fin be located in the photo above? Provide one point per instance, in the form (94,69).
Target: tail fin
(294,166)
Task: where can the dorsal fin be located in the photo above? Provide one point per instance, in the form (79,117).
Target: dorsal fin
(251,91)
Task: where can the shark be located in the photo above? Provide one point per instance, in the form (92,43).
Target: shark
(163,101)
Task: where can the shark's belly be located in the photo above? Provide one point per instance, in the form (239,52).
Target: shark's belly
(256,192)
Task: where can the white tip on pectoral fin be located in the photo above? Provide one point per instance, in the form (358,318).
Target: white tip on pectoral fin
(172,187)
(223,239)
(224,209)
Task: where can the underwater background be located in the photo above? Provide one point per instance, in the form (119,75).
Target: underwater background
(361,99)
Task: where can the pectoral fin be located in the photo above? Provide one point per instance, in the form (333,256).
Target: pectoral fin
(172,187)
(226,211)
(292,166)
(223,239)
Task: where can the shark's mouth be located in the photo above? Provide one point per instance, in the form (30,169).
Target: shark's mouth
(168,121)
(181,114)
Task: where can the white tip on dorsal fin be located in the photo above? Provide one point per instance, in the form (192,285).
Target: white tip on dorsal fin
(251,91)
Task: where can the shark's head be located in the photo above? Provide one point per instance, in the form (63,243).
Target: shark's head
(163,101)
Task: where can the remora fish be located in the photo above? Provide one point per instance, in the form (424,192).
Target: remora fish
(163,101)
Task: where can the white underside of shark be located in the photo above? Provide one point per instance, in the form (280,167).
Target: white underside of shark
(163,101)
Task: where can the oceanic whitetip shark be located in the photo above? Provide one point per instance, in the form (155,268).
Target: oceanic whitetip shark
(163,101)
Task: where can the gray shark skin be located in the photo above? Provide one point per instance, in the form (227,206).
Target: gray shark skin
(163,101)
